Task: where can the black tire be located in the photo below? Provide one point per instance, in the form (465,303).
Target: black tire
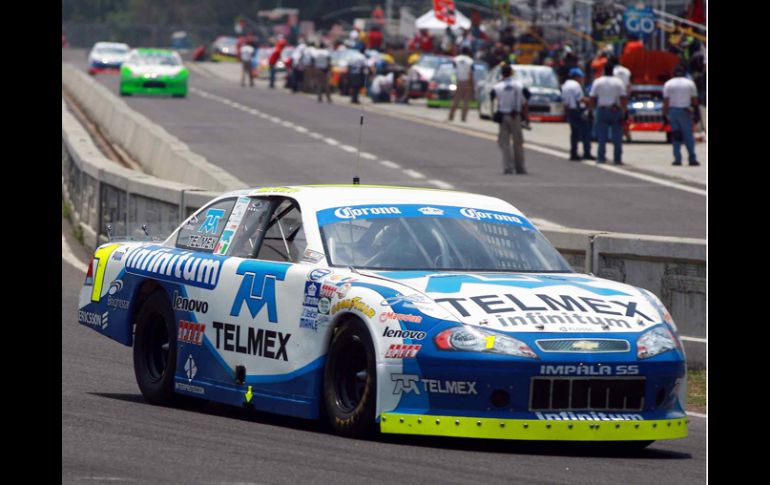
(155,350)
(125,94)
(669,138)
(350,380)
(178,95)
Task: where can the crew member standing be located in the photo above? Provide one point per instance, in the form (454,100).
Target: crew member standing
(680,100)
(321,63)
(511,107)
(356,76)
(275,56)
(577,105)
(464,71)
(608,94)
(247,52)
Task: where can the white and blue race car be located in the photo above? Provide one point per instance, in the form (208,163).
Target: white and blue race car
(409,311)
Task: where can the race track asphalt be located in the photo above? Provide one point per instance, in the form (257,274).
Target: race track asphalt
(263,152)
(110,435)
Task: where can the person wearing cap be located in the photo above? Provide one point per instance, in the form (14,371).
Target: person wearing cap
(511,109)
(680,99)
(608,95)
(577,104)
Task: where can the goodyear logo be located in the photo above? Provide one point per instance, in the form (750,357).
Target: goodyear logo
(354,304)
(175,265)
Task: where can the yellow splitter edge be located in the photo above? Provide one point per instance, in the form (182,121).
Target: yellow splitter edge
(522,429)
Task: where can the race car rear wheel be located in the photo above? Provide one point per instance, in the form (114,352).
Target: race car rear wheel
(155,349)
(350,380)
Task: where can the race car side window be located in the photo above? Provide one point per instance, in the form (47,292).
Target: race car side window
(204,228)
(284,237)
(248,236)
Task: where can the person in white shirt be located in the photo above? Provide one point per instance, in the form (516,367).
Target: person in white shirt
(624,74)
(247,52)
(380,89)
(464,72)
(306,61)
(680,99)
(576,104)
(297,69)
(511,108)
(608,95)
(322,64)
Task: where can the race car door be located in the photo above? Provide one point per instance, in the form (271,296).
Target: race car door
(259,323)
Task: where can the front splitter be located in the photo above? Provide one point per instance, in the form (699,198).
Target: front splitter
(535,430)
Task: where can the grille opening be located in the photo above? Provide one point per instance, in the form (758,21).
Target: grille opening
(541,394)
(154,84)
(500,398)
(577,393)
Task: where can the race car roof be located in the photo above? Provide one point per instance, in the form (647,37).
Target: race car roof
(319,197)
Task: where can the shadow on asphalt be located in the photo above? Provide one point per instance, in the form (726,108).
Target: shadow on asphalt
(546,448)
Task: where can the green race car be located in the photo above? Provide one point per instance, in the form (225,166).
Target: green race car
(153,71)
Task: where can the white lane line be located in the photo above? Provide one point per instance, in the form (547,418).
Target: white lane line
(694,339)
(414,173)
(330,141)
(697,415)
(390,164)
(547,151)
(441,184)
(654,180)
(108,479)
(69,257)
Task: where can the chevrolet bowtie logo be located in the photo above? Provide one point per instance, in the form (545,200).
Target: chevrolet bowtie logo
(585,345)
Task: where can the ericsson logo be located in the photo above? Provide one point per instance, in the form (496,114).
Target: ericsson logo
(351,213)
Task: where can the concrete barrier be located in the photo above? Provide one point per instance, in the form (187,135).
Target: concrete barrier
(101,192)
(159,153)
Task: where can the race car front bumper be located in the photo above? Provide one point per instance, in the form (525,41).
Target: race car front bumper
(532,430)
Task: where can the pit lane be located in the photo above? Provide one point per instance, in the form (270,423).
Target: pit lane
(261,151)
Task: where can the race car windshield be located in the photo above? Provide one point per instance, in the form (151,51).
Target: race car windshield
(110,50)
(541,78)
(156,60)
(431,62)
(447,242)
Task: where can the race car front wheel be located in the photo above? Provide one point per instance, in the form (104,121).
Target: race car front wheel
(350,380)
(155,349)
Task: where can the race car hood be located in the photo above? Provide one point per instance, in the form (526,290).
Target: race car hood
(527,302)
(156,70)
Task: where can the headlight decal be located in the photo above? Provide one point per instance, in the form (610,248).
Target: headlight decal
(471,339)
(656,341)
